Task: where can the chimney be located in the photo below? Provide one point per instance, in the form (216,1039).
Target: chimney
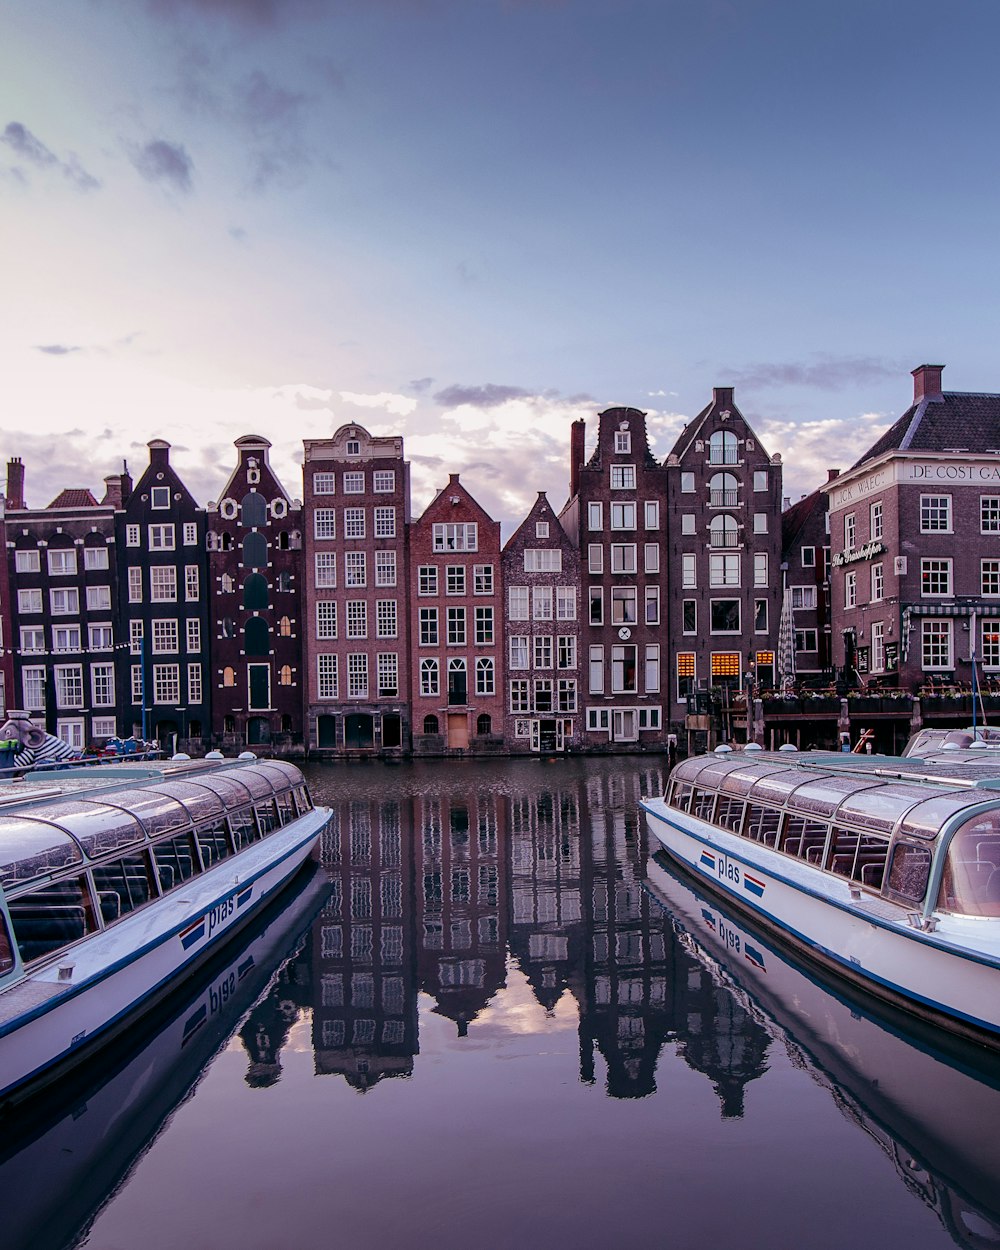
(722,396)
(831,474)
(159,452)
(577,446)
(927,382)
(15,484)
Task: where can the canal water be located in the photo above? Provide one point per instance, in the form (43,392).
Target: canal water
(494,1019)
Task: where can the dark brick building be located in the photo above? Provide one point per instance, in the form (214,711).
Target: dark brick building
(805,565)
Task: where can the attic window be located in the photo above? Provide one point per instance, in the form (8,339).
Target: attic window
(160,497)
(354,447)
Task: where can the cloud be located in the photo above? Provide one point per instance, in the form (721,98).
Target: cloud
(56,349)
(827,373)
(421,384)
(30,148)
(809,448)
(254,15)
(488,396)
(160,161)
(398,405)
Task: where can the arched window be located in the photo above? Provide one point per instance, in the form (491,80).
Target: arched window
(254,551)
(226,584)
(723,490)
(283,542)
(255,593)
(229,677)
(430,724)
(253,510)
(285,627)
(484,724)
(227,542)
(723,531)
(257,636)
(723,448)
(285,675)
(284,581)
(228,627)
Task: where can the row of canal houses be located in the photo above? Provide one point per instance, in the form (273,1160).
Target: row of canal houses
(339,625)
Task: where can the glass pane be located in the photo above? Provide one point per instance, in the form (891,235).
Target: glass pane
(256,781)
(971,883)
(927,818)
(777,786)
(267,816)
(230,791)
(157,811)
(244,828)
(741,779)
(175,861)
(824,796)
(98,827)
(214,844)
(910,868)
(123,885)
(881,807)
(31,848)
(48,919)
(6,950)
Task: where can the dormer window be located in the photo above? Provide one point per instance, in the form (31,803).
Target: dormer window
(160,497)
(353,447)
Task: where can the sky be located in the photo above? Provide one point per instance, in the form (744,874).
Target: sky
(472,222)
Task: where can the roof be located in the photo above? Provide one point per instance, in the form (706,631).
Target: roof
(795,518)
(75,497)
(953,421)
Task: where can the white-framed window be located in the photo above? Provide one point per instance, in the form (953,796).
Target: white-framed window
(599,720)
(623,477)
(543,694)
(28,561)
(385,522)
(723,530)
(386,622)
(759,480)
(194,683)
(565,603)
(454,579)
(427,579)
(326,570)
(192,583)
(760,574)
(430,677)
(163,583)
(723,448)
(542,560)
(623,557)
(102,685)
(428,622)
(566,694)
(482,579)
(135,636)
(324,483)
(190,534)
(651,512)
(161,537)
(132,535)
(135,583)
(65,602)
(69,685)
(98,598)
(989,514)
(623,515)
(689,616)
(62,561)
(29,602)
(460,536)
(596,605)
(520,695)
(484,626)
(596,670)
(385,568)
(760,616)
(541,603)
(387,674)
(878,647)
(595,516)
(723,570)
(760,522)
(935,514)
(357,674)
(70,731)
(354,484)
(159,497)
(652,616)
(936,644)
(327,683)
(688,523)
(566,651)
(850,531)
(689,571)
(326,618)
(623,442)
(325,523)
(33,687)
(354,522)
(651,681)
(193,635)
(875,519)
(518,645)
(355,568)
(624,669)
(456,627)
(103,727)
(878,583)
(935,578)
(383,481)
(803,597)
(623,605)
(542,651)
(989,572)
(687,484)
(725,616)
(165,637)
(485,675)
(66,637)
(850,590)
(518,603)
(808,557)
(95,558)
(595,558)
(32,638)
(541,529)
(135,675)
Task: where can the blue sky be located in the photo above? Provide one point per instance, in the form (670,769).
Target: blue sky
(473,221)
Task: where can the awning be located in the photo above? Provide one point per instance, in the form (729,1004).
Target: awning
(948,608)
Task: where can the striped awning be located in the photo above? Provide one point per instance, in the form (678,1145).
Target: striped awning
(949,609)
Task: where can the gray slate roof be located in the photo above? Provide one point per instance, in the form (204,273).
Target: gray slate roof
(954,421)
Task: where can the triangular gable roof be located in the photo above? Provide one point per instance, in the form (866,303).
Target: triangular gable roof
(952,421)
(74,497)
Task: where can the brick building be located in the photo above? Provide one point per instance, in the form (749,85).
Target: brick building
(915,533)
(254,541)
(541,625)
(356,638)
(616,515)
(457,668)
(805,565)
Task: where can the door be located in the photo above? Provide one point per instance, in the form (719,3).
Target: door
(457,683)
(458,731)
(625,724)
(547,735)
(359,730)
(326,731)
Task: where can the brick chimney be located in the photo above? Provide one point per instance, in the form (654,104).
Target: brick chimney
(831,474)
(15,484)
(577,450)
(927,382)
(159,452)
(722,396)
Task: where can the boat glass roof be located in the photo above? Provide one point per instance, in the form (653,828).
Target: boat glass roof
(32,848)
(98,826)
(157,809)
(822,795)
(927,819)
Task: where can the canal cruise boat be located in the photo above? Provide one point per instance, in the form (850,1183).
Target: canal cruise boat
(115,882)
(884,869)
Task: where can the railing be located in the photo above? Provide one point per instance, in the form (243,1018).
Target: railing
(723,498)
(723,538)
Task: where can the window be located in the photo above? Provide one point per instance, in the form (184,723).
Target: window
(190,534)
(624,677)
(457,537)
(723,448)
(803,597)
(484,626)
(354,522)
(808,557)
(326,677)
(687,484)
(990,577)
(135,637)
(760,479)
(485,675)
(285,675)
(357,618)
(596,605)
(30,562)
(456,627)
(159,497)
(685,675)
(760,522)
(98,598)
(520,695)
(652,616)
(427,579)
(850,590)
(161,538)
(517,603)
(760,568)
(454,579)
(102,685)
(688,525)
(542,560)
(385,522)
(325,523)
(326,570)
(935,649)
(543,651)
(723,490)
(29,601)
(163,583)
(354,484)
(355,569)
(541,529)
(518,646)
(760,616)
(689,616)
(135,584)
(989,514)
(482,579)
(623,477)
(192,583)
(132,535)
(386,624)
(69,685)
(385,568)
(565,603)
(541,603)
(595,558)
(723,531)
(326,619)
(723,570)
(64,602)
(850,531)
(651,509)
(725,616)
(878,583)
(623,605)
(165,637)
(652,674)
(566,651)
(33,687)
(935,514)
(875,519)
(430,677)
(387,674)
(623,516)
(566,694)
(543,694)
(194,692)
(623,557)
(596,670)
(193,635)
(935,577)
(324,483)
(95,558)
(103,727)
(428,627)
(65,637)
(990,648)
(595,516)
(135,673)
(623,442)
(32,638)
(689,578)
(62,562)
(384,481)
(878,647)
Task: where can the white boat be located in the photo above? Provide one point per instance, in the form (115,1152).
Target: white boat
(886,870)
(116,882)
(930,1101)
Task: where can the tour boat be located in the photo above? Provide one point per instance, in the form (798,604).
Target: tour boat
(115,883)
(885,869)
(928,1100)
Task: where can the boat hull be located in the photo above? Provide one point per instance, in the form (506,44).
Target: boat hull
(865,939)
(58,1014)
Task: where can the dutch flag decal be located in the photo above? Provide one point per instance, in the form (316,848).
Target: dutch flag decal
(193,933)
(752,884)
(754,955)
(707,861)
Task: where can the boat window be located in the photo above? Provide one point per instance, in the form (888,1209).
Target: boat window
(230,790)
(257,782)
(55,916)
(158,811)
(203,805)
(213,843)
(859,856)
(286,807)
(6,950)
(30,849)
(777,786)
(267,816)
(280,774)
(123,885)
(741,780)
(823,795)
(97,827)
(762,824)
(729,812)
(303,799)
(971,881)
(702,803)
(244,828)
(175,861)
(881,806)
(908,871)
(680,795)
(927,819)
(805,838)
